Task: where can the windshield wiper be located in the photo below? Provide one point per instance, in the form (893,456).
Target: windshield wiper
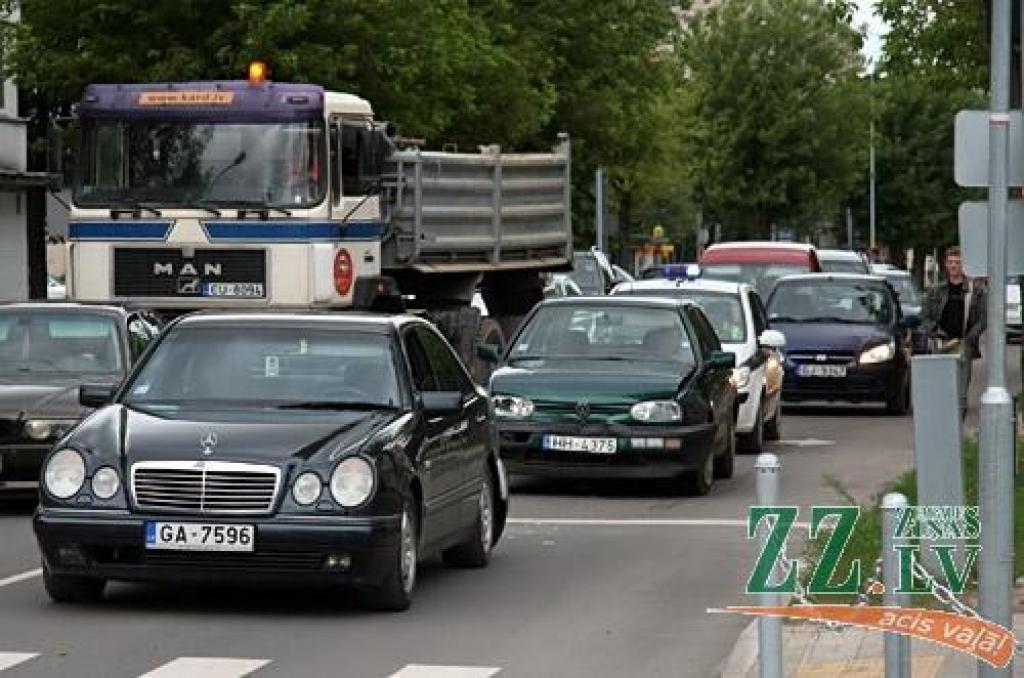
(834,319)
(260,208)
(337,405)
(135,209)
(205,206)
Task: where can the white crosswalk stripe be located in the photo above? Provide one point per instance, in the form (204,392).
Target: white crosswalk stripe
(425,671)
(207,667)
(9,659)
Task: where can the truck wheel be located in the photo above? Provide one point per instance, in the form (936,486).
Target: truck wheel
(489,333)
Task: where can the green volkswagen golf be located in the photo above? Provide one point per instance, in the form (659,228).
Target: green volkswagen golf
(617,387)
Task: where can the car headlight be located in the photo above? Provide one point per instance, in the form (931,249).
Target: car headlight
(65,474)
(740,377)
(878,354)
(47,429)
(306,488)
(512,407)
(352,481)
(656,411)
(105,483)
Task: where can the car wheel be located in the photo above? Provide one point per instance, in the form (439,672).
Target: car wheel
(699,482)
(753,442)
(896,404)
(725,465)
(64,588)
(395,592)
(773,427)
(476,551)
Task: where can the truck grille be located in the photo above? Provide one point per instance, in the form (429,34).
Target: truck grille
(167,272)
(205,487)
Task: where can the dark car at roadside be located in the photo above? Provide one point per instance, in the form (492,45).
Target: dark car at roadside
(617,387)
(46,351)
(334,450)
(846,339)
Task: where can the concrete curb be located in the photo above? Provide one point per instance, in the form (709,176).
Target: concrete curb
(743,657)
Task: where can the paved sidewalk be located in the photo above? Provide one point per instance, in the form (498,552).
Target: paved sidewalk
(811,652)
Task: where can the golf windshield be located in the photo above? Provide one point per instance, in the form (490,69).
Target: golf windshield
(606,332)
(831,301)
(266,366)
(73,343)
(176,164)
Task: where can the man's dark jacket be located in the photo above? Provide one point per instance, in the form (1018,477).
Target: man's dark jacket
(975,313)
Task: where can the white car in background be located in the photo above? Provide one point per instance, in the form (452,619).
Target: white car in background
(55,289)
(738,316)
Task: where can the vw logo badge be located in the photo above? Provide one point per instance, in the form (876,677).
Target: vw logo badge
(208,442)
(583,409)
(821,357)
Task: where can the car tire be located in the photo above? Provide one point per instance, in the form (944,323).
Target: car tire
(394,593)
(476,551)
(698,483)
(753,442)
(725,465)
(63,588)
(773,427)
(897,405)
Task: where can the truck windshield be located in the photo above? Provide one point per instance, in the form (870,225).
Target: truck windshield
(123,163)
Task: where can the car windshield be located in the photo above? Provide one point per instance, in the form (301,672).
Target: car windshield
(724,310)
(762,276)
(178,164)
(49,341)
(831,301)
(604,333)
(844,266)
(904,288)
(587,274)
(257,366)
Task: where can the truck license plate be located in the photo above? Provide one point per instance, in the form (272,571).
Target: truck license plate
(200,536)
(580,444)
(236,290)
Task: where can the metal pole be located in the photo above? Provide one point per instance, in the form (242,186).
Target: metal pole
(995,481)
(599,208)
(769,629)
(897,646)
(700,235)
(871,162)
(849,228)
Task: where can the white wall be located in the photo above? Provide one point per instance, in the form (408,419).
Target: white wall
(13,247)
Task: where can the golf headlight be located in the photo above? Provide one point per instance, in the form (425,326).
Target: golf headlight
(878,354)
(306,488)
(65,474)
(656,411)
(105,483)
(352,481)
(512,407)
(47,429)
(740,377)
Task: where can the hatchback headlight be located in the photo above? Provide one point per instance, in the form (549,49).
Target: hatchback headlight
(512,407)
(352,481)
(878,354)
(306,488)
(740,377)
(65,474)
(105,483)
(656,411)
(47,429)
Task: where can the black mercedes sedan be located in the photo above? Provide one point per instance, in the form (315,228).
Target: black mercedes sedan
(617,387)
(333,448)
(46,351)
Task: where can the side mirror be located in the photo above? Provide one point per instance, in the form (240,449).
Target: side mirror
(95,395)
(772,339)
(722,359)
(489,353)
(441,402)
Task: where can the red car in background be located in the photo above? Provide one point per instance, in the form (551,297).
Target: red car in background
(758,263)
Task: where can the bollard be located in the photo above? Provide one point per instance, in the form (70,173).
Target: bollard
(769,629)
(897,645)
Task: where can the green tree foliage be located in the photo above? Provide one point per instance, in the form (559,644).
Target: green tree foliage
(778,114)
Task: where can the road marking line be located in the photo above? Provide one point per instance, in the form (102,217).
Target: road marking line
(424,671)
(14,579)
(643,522)
(9,659)
(208,667)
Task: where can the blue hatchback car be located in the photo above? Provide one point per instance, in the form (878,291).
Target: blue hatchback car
(846,339)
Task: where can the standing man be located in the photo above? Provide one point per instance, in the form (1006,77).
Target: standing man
(956,310)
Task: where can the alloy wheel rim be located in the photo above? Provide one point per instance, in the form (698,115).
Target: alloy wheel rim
(408,556)
(486,517)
